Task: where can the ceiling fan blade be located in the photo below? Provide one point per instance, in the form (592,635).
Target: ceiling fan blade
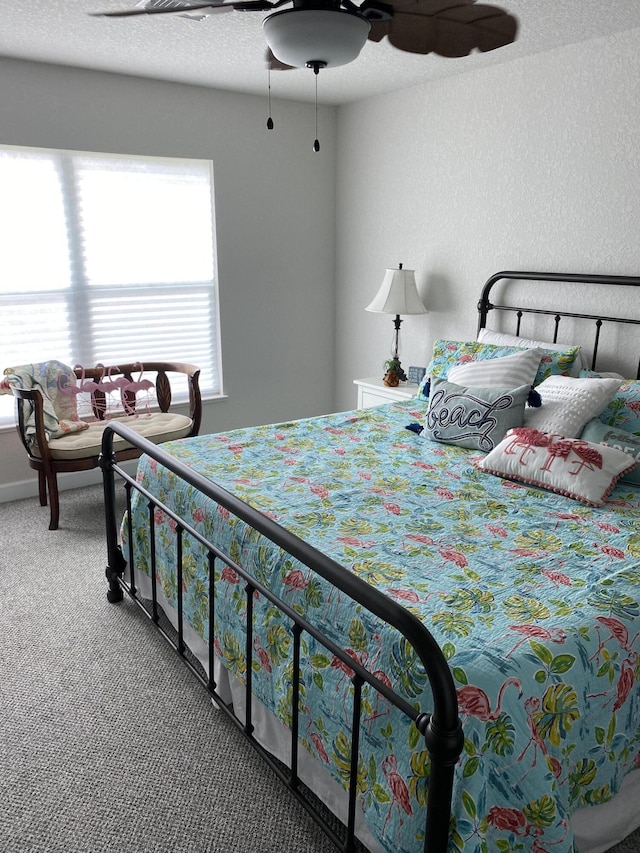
(378,14)
(413,33)
(176,7)
(159,10)
(254,6)
(480,27)
(450,28)
(379,30)
(373,10)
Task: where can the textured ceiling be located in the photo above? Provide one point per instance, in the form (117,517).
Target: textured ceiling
(227,51)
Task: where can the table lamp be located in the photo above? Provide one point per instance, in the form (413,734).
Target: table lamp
(397,295)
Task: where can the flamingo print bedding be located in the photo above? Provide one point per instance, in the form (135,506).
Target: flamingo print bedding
(533,597)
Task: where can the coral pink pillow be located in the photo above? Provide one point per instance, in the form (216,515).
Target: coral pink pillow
(577,469)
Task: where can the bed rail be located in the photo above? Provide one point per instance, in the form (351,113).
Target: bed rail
(485,305)
(440,726)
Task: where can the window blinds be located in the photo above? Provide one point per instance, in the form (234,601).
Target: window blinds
(107,258)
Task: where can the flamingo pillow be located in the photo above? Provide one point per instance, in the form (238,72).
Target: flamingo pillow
(575,468)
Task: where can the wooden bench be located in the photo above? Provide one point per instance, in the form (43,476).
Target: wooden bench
(80,451)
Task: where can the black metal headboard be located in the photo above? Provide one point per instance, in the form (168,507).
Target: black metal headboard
(485,305)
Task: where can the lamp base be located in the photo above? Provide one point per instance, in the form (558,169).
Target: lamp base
(394,362)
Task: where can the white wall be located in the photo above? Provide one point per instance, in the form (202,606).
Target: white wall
(529,165)
(275,210)
(534,164)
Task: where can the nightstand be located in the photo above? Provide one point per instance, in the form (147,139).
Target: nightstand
(373,392)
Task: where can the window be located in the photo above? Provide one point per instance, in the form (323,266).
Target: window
(107,258)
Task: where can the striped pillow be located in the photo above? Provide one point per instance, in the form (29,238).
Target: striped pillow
(509,371)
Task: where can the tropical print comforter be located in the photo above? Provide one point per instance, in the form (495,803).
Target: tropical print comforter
(534,599)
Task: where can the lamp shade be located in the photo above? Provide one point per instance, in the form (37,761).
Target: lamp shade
(398,294)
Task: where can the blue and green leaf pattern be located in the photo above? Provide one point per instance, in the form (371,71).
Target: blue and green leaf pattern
(534,598)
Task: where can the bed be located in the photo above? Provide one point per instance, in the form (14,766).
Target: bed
(446,657)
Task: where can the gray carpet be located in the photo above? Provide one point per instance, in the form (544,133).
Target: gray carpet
(107,742)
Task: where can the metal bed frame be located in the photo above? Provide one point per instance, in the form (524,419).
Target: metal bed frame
(485,306)
(439,725)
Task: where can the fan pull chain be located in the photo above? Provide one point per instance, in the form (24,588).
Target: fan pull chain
(269,119)
(316,142)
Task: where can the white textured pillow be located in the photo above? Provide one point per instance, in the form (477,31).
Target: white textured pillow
(488,336)
(509,371)
(577,469)
(568,403)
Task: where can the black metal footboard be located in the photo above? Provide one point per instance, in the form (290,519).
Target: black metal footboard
(439,725)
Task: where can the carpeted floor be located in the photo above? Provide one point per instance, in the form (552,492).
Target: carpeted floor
(107,742)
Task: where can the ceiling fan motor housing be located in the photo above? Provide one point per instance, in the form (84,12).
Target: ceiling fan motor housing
(306,37)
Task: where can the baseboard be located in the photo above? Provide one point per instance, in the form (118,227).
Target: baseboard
(74,480)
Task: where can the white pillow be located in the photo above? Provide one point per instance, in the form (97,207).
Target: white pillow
(508,371)
(488,336)
(577,469)
(568,403)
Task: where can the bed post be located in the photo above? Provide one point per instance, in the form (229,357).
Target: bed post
(444,748)
(484,303)
(115,560)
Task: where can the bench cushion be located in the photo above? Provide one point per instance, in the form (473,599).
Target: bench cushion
(156,427)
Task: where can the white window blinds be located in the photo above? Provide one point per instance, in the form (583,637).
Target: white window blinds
(106,259)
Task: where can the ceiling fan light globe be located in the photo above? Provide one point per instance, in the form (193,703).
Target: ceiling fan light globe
(302,37)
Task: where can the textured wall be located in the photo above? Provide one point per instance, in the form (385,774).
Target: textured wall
(532,164)
(275,207)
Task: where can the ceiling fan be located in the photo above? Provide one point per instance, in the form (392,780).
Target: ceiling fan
(326,33)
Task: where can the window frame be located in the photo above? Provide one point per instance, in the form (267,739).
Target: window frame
(81,300)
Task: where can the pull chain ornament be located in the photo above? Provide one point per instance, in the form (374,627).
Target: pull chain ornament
(269,119)
(317,64)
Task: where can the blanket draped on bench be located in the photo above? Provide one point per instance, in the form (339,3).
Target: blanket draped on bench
(60,408)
